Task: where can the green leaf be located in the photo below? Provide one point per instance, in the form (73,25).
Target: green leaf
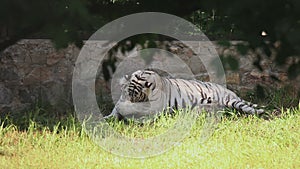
(224,43)
(260,92)
(242,49)
(232,62)
(294,71)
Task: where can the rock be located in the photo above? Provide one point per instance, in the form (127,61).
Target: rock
(233,78)
(38,75)
(25,96)
(37,57)
(204,77)
(246,62)
(54,92)
(5,95)
(196,65)
(7,74)
(4,109)
(54,58)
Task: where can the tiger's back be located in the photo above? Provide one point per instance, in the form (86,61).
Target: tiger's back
(197,93)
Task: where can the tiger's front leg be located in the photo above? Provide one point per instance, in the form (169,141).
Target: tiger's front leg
(127,109)
(114,114)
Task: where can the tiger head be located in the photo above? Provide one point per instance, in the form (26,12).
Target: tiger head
(139,85)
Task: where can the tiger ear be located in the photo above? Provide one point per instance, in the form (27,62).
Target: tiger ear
(127,77)
(124,80)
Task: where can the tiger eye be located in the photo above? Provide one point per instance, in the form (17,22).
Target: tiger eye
(147,84)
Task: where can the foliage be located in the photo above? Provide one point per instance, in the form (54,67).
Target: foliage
(268,25)
(271,25)
(60,20)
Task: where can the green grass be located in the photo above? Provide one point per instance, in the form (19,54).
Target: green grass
(237,142)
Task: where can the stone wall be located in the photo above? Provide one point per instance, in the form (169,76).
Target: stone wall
(33,73)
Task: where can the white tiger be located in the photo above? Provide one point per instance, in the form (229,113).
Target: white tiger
(145,92)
